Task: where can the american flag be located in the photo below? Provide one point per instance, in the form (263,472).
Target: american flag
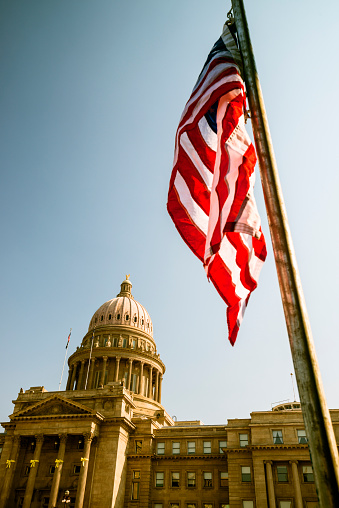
(210,197)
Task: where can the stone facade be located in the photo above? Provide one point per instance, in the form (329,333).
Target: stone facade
(109,442)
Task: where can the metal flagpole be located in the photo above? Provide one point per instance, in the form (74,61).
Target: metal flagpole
(62,373)
(319,430)
(89,361)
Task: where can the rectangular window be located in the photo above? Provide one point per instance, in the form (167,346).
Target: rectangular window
(176,448)
(160,448)
(27,470)
(282,474)
(207,479)
(124,342)
(138,446)
(45,502)
(81,443)
(223,505)
(277,437)
(134,343)
(248,504)
(135,491)
(207,505)
(207,447)
(175,505)
(190,447)
(133,383)
(159,479)
(223,479)
(285,504)
(146,385)
(308,474)
(243,440)
(158,505)
(115,342)
(245,474)
(76,469)
(222,445)
(96,379)
(136,475)
(191,481)
(175,479)
(51,469)
(302,439)
(191,505)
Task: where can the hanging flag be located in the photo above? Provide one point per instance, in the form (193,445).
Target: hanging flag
(210,197)
(69,338)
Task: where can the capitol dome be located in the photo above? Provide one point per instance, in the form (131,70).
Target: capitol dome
(123,311)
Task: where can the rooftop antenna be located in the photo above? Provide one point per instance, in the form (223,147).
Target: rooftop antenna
(295,400)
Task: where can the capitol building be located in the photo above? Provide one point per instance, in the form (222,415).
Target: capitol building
(108,442)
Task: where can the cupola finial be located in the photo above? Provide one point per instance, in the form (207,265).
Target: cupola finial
(126,287)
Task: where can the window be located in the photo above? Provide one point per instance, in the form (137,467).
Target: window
(135,319)
(277,437)
(118,316)
(222,444)
(158,505)
(245,474)
(207,447)
(138,446)
(124,342)
(302,439)
(175,479)
(136,475)
(133,383)
(190,447)
(159,479)
(282,474)
(102,318)
(76,469)
(308,474)
(127,317)
(223,478)
(45,502)
(134,343)
(96,379)
(175,505)
(135,491)
(175,448)
(191,505)
(191,481)
(26,470)
(247,504)
(81,443)
(161,448)
(223,505)
(110,317)
(207,479)
(207,505)
(51,469)
(243,439)
(285,504)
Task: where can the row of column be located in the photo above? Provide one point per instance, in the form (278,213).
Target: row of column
(296,483)
(39,439)
(84,380)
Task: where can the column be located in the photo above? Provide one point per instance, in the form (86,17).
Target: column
(83,471)
(296,482)
(130,361)
(90,377)
(156,391)
(57,473)
(150,394)
(141,379)
(104,364)
(33,471)
(70,370)
(117,363)
(10,470)
(73,375)
(160,384)
(81,375)
(270,484)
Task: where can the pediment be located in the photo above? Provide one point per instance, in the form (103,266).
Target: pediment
(55,405)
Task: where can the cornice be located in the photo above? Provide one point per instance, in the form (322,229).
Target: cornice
(97,417)
(279,447)
(188,457)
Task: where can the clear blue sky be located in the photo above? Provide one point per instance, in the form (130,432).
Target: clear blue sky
(91,95)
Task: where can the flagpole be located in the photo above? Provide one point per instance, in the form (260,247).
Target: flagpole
(319,430)
(89,361)
(63,367)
